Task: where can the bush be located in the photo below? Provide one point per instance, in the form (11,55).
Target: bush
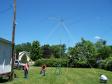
(109,66)
(101,64)
(106,64)
(51,62)
(82,64)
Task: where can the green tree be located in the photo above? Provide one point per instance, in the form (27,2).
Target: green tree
(22,47)
(83,52)
(103,51)
(35,51)
(100,44)
(46,51)
(58,50)
(26,46)
(18,49)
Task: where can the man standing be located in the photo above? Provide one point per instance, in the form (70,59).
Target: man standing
(26,68)
(43,69)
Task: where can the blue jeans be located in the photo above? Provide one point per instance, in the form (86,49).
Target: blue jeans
(26,73)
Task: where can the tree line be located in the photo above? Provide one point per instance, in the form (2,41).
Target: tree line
(37,51)
(83,54)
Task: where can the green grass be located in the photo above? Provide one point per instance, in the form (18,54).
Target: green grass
(68,76)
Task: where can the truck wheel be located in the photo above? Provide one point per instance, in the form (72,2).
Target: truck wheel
(14,76)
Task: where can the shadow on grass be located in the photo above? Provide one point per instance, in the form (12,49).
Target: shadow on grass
(3,80)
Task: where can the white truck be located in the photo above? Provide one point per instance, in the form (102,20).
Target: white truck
(5,58)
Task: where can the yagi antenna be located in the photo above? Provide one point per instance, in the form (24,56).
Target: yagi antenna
(62,24)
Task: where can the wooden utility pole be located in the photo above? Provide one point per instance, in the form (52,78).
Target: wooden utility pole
(13,39)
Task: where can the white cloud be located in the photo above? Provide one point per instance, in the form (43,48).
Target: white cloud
(97,37)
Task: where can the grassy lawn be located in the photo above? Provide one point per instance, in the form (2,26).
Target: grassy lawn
(68,76)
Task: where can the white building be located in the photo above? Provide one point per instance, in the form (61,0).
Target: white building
(24,53)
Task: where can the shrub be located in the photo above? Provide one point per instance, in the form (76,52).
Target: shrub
(108,64)
(101,64)
(82,64)
(51,62)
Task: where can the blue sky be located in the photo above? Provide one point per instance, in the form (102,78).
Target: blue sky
(41,20)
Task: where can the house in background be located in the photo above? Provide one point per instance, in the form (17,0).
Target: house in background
(24,53)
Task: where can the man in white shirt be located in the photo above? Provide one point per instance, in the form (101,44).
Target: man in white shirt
(103,78)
